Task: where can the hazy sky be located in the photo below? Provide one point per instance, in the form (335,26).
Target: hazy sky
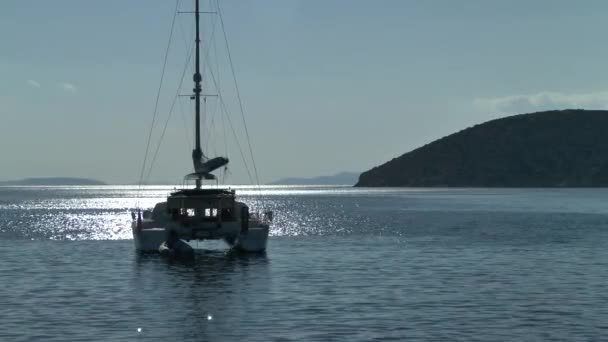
(327,86)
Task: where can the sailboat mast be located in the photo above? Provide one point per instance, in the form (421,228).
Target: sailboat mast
(197,153)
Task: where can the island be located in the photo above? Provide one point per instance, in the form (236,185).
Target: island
(560,148)
(342,178)
(52,181)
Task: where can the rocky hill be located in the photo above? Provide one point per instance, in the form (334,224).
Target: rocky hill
(567,148)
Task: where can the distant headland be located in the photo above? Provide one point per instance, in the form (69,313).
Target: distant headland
(53,181)
(566,148)
(342,178)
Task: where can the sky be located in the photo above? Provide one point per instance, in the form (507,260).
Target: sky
(326,85)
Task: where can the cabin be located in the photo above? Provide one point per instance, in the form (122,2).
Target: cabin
(203,205)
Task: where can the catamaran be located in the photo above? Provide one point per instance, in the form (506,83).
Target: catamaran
(200,213)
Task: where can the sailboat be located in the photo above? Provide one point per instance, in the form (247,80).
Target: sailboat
(200,213)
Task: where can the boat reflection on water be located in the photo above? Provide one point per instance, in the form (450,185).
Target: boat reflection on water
(209,256)
(201,298)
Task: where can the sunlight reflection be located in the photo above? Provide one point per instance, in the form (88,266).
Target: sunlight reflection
(104,213)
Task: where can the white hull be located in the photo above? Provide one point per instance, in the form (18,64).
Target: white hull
(149,240)
(254,240)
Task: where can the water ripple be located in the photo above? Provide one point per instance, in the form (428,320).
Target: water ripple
(342,265)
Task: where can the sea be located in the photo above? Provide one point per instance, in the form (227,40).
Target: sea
(342,264)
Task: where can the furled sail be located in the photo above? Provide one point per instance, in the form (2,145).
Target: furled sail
(203,166)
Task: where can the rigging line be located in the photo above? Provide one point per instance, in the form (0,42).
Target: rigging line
(218,88)
(175,98)
(205,139)
(217,60)
(225,112)
(206,52)
(210,142)
(225,171)
(170,114)
(188,47)
(187,132)
(238,143)
(211,112)
(162,77)
(207,65)
(214,119)
(182,31)
(238,94)
(224,136)
(209,130)
(207,45)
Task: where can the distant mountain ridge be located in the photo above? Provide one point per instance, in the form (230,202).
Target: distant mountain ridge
(53,181)
(561,148)
(342,178)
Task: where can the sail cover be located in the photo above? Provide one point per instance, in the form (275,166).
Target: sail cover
(209,165)
(204,166)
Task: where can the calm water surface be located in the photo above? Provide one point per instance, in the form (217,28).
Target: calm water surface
(342,265)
